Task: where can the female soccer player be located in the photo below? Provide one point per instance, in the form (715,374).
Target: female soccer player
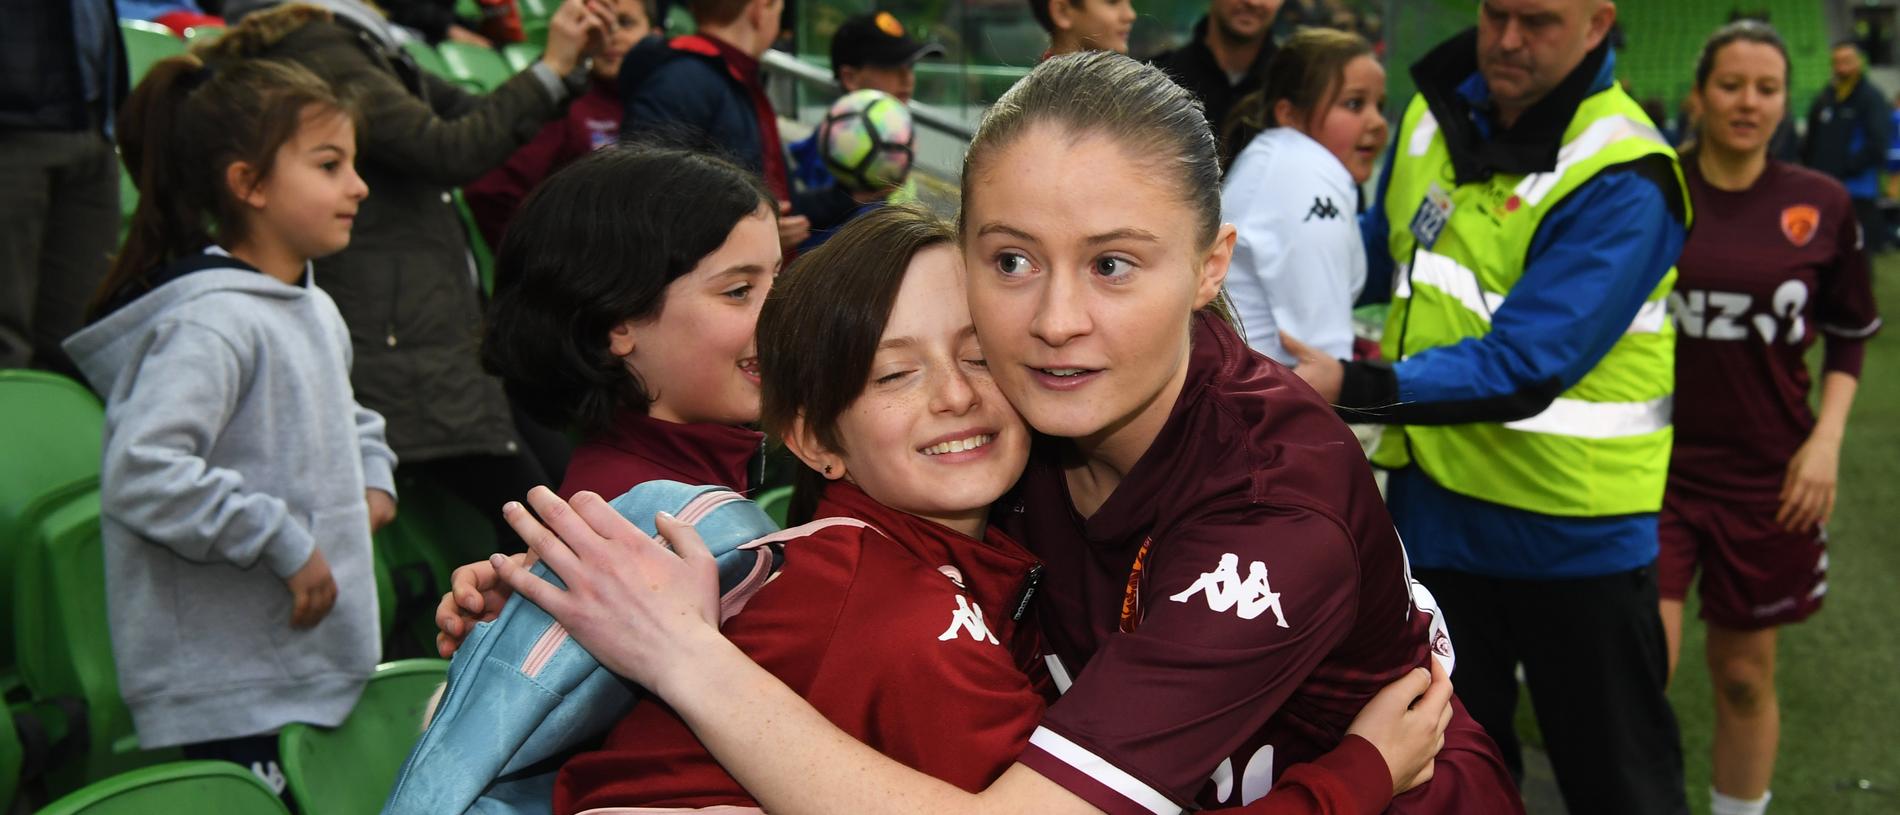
(1775,262)
(1223,588)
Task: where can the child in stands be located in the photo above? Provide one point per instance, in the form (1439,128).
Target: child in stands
(241,479)
(1307,140)
(632,285)
(591,122)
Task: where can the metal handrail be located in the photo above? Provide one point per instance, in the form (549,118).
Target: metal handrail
(780,62)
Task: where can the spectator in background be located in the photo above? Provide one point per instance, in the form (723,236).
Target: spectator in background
(1848,133)
(706,86)
(63,79)
(1225,59)
(868,52)
(592,121)
(1293,194)
(406,285)
(1529,386)
(1084,25)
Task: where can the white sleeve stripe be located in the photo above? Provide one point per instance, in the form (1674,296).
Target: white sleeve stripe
(1847,333)
(1109,775)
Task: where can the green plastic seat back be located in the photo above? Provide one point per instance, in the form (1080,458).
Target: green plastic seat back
(351,768)
(190,787)
(536,9)
(520,55)
(64,644)
(426,58)
(147,43)
(68,425)
(63,448)
(474,66)
(776,502)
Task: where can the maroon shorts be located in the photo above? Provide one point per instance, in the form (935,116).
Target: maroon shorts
(1754,573)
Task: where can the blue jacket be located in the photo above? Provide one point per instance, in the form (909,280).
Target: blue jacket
(685,97)
(1847,138)
(1593,262)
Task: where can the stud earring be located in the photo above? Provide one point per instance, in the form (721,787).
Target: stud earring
(827,469)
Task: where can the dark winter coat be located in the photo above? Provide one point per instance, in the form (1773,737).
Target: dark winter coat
(406,285)
(1847,138)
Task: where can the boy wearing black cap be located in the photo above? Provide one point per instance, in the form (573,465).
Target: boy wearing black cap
(873,51)
(869,51)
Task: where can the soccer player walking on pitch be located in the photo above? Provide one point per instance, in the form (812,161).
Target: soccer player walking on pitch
(1775,262)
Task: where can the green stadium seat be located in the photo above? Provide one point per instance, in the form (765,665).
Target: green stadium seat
(350,769)
(426,58)
(63,643)
(539,10)
(64,448)
(520,55)
(195,787)
(776,502)
(476,67)
(477,245)
(147,43)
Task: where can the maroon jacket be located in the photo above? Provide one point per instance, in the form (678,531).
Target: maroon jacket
(640,448)
(592,122)
(1231,607)
(900,633)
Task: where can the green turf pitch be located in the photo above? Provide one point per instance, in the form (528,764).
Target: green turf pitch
(1840,671)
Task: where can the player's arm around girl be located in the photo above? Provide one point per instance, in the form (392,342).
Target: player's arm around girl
(240,480)
(1086,290)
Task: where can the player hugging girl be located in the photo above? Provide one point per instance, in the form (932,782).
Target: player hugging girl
(1221,590)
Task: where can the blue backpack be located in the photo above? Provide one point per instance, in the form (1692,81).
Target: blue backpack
(522,696)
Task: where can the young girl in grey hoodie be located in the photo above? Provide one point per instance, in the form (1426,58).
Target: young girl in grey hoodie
(241,479)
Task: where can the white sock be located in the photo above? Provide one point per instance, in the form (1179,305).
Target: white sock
(1720,804)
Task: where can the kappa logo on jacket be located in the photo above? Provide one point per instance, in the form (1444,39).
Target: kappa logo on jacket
(1323,209)
(966,617)
(1225,590)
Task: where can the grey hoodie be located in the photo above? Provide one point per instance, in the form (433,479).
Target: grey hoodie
(233,446)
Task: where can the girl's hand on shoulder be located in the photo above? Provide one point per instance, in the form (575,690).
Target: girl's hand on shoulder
(382,508)
(1407,722)
(1808,490)
(639,605)
(312,591)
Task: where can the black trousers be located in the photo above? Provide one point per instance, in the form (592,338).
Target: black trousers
(255,753)
(1874,230)
(1595,662)
(59,225)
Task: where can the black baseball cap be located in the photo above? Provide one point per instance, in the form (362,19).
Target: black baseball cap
(877,39)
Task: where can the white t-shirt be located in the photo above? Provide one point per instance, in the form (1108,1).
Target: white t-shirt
(1298,264)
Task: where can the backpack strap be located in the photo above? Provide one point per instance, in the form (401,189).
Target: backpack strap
(762,572)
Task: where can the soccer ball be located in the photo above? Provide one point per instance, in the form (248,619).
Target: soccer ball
(867,140)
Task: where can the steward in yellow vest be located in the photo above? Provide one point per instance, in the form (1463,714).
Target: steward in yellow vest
(1529,217)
